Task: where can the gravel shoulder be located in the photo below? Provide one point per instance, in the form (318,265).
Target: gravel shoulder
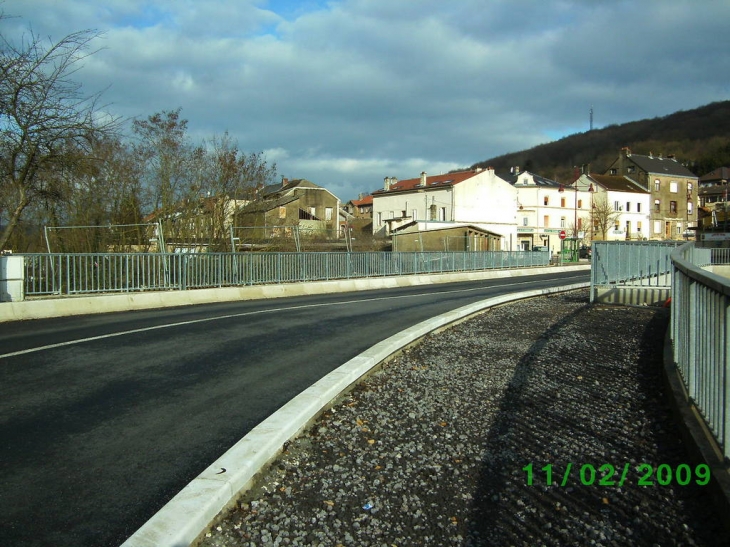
(436,447)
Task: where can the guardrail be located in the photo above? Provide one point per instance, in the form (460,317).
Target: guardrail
(700,334)
(631,272)
(68,274)
(631,262)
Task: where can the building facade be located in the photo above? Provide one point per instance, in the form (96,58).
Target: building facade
(293,203)
(545,208)
(619,208)
(673,192)
(477,197)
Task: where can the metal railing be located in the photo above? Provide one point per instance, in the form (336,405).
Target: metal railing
(646,263)
(700,334)
(68,274)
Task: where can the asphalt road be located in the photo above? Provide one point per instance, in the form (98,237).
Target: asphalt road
(104,418)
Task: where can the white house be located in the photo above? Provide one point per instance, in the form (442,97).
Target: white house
(545,208)
(628,206)
(477,197)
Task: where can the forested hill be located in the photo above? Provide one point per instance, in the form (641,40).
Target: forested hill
(699,139)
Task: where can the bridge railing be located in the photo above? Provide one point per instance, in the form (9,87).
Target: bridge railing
(631,272)
(70,274)
(700,334)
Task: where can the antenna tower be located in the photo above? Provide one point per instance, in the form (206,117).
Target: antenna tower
(591,129)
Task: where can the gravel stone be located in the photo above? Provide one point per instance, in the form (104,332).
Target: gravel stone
(432,448)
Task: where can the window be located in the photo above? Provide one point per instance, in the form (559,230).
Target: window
(689,188)
(414,214)
(690,207)
(616,206)
(442,213)
(657,226)
(638,207)
(328,213)
(657,206)
(616,226)
(545,200)
(580,224)
(546,221)
(282,212)
(614,171)
(679,228)
(673,187)
(313,211)
(562,202)
(657,184)
(380,219)
(628,206)
(524,221)
(403,213)
(580,204)
(562,222)
(672,206)
(391,214)
(638,226)
(631,169)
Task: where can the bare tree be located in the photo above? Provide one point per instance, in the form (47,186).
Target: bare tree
(231,181)
(43,114)
(603,216)
(166,152)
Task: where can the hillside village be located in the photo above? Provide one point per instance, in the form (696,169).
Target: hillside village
(639,197)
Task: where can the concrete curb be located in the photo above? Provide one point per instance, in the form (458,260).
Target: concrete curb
(83,305)
(189,514)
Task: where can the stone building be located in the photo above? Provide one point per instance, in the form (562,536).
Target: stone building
(673,192)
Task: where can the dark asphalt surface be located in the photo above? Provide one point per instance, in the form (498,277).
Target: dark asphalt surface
(97,434)
(542,422)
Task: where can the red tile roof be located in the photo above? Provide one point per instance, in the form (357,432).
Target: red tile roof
(434,180)
(367,200)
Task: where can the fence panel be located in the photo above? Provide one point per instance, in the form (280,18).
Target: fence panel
(700,335)
(91,273)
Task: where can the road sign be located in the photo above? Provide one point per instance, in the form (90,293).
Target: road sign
(561,235)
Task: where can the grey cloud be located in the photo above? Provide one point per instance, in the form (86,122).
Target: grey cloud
(346,93)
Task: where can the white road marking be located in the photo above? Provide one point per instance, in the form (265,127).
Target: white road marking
(243,314)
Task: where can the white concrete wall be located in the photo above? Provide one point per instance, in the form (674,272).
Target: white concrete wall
(389,205)
(11,278)
(488,202)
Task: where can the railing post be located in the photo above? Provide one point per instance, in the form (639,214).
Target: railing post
(724,363)
(692,341)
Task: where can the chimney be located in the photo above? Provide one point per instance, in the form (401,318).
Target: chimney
(284,181)
(423,178)
(517,169)
(626,151)
(386,183)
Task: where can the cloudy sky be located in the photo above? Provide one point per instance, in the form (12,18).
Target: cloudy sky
(347,92)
